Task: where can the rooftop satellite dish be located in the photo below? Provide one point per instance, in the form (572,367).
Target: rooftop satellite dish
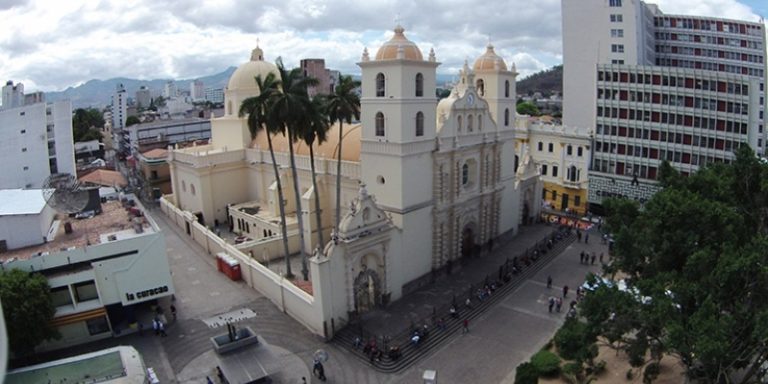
(64,193)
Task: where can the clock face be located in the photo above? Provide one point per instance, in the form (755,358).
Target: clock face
(471,99)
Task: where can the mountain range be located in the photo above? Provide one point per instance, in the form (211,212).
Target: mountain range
(98,93)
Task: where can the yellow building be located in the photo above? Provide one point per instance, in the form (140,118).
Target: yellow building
(562,156)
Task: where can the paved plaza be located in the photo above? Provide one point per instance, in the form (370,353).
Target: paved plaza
(501,338)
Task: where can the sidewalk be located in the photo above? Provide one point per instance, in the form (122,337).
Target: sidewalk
(417,305)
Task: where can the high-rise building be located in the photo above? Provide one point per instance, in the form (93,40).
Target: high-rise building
(119,115)
(653,87)
(170,91)
(143,97)
(214,95)
(35,142)
(13,95)
(197,90)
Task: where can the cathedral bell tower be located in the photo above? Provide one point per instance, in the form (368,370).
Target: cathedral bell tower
(398,123)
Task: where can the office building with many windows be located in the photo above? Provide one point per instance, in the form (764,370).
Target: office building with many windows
(655,87)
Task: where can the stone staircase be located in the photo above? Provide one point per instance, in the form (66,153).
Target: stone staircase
(411,353)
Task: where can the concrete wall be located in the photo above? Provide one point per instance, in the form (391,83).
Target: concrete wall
(300,305)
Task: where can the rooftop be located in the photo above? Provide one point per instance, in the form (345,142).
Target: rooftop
(21,201)
(114,220)
(113,365)
(105,177)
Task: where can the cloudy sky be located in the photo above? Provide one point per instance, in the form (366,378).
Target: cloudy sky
(51,45)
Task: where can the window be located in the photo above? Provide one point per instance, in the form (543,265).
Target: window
(380,83)
(614,3)
(183,186)
(480,85)
(506,88)
(192,189)
(379,124)
(577,200)
(554,171)
(551,147)
(544,169)
(470,119)
(419,124)
(458,119)
(85,291)
(617,33)
(579,151)
(541,146)
(554,195)
(419,85)
(60,296)
(506,117)
(617,48)
(465,174)
(569,150)
(97,325)
(617,18)
(479,122)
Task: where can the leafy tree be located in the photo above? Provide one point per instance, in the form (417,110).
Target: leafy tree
(28,310)
(287,111)
(86,124)
(697,271)
(131,120)
(528,108)
(152,106)
(526,373)
(442,93)
(547,363)
(343,105)
(257,110)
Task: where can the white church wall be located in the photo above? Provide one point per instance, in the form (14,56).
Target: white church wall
(413,258)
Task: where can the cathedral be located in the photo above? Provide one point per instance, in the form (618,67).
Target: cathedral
(424,182)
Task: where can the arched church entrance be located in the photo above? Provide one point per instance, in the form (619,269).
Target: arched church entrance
(468,245)
(367,290)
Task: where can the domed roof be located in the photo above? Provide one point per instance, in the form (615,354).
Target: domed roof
(490,61)
(243,77)
(350,151)
(389,50)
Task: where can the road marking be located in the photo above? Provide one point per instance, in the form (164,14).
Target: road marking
(192,269)
(196,282)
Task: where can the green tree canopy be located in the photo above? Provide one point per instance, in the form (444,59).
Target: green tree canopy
(86,124)
(28,310)
(131,120)
(528,108)
(697,271)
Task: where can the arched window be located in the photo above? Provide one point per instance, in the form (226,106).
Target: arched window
(465,174)
(541,146)
(569,150)
(506,88)
(379,124)
(517,162)
(419,124)
(419,85)
(469,123)
(480,87)
(573,173)
(459,120)
(506,117)
(380,85)
(479,122)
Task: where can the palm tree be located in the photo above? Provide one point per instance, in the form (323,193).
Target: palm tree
(315,127)
(288,110)
(343,105)
(257,109)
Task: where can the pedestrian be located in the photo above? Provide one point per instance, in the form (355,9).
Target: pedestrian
(161,328)
(303,380)
(549,281)
(593,258)
(468,303)
(155,326)
(466,326)
(551,303)
(586,238)
(565,291)
(581,257)
(140,326)
(601,257)
(578,235)
(173,312)
(559,304)
(208,380)
(220,374)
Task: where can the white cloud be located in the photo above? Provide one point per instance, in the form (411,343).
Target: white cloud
(53,44)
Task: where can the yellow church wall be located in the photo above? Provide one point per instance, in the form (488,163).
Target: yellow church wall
(571,192)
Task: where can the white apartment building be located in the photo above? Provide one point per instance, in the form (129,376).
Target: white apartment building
(214,95)
(170,90)
(13,95)
(143,97)
(655,87)
(35,142)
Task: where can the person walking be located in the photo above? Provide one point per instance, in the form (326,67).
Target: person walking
(465,329)
(586,238)
(601,257)
(208,380)
(565,291)
(549,281)
(558,304)
(161,328)
(173,312)
(155,326)
(551,303)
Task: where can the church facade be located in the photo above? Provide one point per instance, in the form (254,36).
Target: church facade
(424,183)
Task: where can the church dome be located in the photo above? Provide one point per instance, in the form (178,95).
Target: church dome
(390,49)
(243,77)
(490,61)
